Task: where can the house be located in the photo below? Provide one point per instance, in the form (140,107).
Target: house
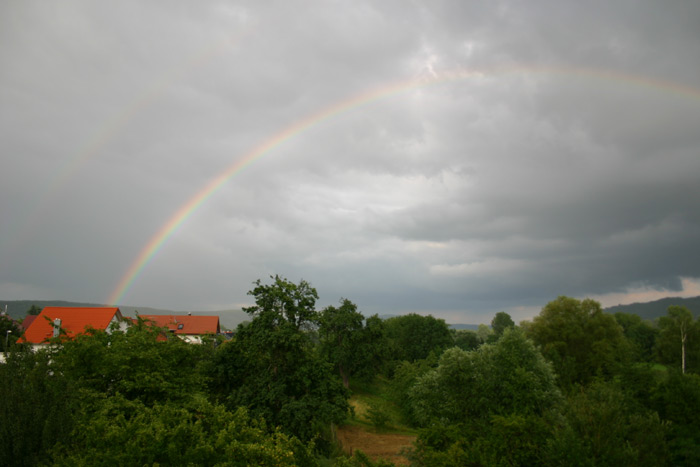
(55,321)
(187,327)
(27,321)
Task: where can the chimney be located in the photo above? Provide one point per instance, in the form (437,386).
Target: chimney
(56,327)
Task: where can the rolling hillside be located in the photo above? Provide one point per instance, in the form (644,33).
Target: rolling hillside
(657,308)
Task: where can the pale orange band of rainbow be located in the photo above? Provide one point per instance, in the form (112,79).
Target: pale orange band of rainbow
(185,211)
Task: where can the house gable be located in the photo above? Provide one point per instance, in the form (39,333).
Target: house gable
(190,328)
(74,321)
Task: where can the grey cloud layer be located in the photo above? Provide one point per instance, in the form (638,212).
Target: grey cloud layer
(567,163)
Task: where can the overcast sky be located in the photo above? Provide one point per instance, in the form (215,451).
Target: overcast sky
(454,158)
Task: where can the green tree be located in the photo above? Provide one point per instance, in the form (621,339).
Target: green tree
(412,337)
(405,376)
(579,339)
(9,332)
(37,408)
(33,310)
(377,348)
(284,303)
(485,333)
(676,328)
(134,363)
(466,339)
(119,431)
(347,342)
(490,406)
(603,426)
(677,400)
(640,333)
(509,376)
(272,367)
(500,322)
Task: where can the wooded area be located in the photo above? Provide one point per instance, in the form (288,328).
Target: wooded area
(574,386)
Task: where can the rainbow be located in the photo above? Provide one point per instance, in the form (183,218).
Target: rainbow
(159,239)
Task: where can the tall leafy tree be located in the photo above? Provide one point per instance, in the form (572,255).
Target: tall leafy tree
(579,339)
(37,408)
(496,379)
(412,337)
(9,332)
(272,367)
(500,322)
(466,339)
(34,310)
(604,426)
(640,333)
(490,406)
(340,330)
(351,344)
(284,304)
(677,400)
(676,329)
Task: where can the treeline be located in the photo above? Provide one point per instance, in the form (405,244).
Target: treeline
(575,386)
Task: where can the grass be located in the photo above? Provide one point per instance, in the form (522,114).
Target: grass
(372,401)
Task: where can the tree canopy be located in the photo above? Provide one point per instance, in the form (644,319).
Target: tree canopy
(579,339)
(490,406)
(679,338)
(271,365)
(352,344)
(10,331)
(575,386)
(506,377)
(412,337)
(500,322)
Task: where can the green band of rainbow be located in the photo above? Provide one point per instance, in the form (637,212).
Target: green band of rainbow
(185,211)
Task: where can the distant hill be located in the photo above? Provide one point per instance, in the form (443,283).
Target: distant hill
(17,309)
(657,308)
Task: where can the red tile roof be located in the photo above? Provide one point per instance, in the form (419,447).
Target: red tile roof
(186,324)
(28,320)
(73,321)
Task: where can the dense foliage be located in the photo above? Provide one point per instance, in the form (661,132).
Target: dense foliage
(353,344)
(573,387)
(413,337)
(489,405)
(9,332)
(273,367)
(579,339)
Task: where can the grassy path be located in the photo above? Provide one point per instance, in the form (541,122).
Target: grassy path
(387,441)
(387,446)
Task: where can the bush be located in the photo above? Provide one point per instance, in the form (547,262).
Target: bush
(378,415)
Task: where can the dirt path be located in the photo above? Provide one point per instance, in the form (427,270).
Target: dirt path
(386,446)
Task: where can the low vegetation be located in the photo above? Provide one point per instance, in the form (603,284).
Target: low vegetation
(300,386)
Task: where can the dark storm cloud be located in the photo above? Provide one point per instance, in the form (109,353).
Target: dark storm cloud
(565,164)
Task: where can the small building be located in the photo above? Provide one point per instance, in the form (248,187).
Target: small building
(27,321)
(187,327)
(56,321)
